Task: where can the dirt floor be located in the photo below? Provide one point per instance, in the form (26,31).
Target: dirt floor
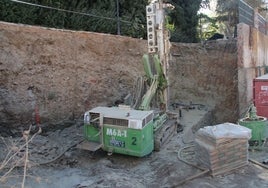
(60,74)
(54,161)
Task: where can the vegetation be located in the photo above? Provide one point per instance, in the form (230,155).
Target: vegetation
(228,13)
(126,18)
(207,26)
(184,17)
(94,15)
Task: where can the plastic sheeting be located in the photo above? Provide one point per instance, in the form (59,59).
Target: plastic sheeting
(226,130)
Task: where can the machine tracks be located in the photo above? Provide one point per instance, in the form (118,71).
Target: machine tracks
(165,133)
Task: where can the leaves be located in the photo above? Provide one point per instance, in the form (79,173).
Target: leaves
(185,19)
(99,15)
(227,11)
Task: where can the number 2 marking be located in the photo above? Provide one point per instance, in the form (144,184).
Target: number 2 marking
(134,141)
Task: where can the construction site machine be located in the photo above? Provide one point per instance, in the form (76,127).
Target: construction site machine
(144,124)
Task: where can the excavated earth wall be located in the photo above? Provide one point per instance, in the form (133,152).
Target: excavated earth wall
(207,74)
(59,74)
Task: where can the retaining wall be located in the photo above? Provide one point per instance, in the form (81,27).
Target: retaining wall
(60,74)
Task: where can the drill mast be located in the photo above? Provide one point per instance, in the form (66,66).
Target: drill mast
(158,39)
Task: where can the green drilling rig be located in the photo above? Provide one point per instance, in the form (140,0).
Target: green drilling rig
(146,124)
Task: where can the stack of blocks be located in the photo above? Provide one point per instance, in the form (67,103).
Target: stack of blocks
(222,148)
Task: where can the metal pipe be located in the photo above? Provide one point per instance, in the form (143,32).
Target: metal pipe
(118,18)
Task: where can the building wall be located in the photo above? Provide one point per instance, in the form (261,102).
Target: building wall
(252,53)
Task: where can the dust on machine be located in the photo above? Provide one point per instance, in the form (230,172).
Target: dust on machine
(144,122)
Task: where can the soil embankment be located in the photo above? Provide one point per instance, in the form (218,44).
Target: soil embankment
(59,74)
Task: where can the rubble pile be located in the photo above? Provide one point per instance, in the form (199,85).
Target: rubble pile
(222,147)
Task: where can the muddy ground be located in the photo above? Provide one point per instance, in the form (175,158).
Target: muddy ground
(55,162)
(60,74)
